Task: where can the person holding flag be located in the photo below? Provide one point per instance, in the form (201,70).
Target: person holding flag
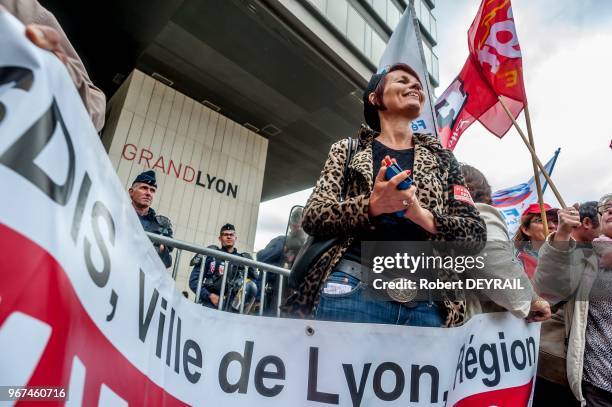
(579,278)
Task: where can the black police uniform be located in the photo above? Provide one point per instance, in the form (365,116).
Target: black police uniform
(213,274)
(158,224)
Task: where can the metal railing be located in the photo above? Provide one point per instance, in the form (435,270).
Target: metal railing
(180,245)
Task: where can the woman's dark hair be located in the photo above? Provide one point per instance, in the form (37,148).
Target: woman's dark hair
(380,88)
(520,236)
(477,184)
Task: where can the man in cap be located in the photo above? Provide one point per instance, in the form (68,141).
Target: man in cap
(215,268)
(142,192)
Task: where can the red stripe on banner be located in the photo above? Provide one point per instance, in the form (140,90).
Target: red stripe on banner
(510,397)
(34,283)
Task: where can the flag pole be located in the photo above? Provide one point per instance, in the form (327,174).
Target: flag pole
(533,154)
(535,172)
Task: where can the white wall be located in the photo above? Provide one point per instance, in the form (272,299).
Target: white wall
(146,114)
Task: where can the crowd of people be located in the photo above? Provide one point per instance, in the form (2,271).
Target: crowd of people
(567,272)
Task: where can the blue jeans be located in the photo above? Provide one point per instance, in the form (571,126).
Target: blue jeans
(355,306)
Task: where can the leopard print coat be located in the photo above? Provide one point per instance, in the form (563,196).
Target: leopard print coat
(435,174)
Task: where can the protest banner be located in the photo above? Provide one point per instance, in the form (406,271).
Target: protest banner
(86,304)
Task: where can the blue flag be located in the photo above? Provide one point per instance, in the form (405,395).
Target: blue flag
(512,201)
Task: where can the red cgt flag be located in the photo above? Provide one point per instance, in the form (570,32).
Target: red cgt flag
(493,68)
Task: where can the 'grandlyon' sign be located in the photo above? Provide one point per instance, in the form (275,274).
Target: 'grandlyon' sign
(185,172)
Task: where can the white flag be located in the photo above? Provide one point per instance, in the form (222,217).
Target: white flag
(405,46)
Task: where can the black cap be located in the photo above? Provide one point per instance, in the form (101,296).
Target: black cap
(147,177)
(227,226)
(370,112)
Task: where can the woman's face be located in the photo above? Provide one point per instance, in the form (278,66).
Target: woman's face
(403,93)
(535,227)
(605,220)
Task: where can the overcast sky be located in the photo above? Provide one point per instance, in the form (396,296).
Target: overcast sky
(567,66)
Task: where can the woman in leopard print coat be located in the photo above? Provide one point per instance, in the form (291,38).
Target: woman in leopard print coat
(439,208)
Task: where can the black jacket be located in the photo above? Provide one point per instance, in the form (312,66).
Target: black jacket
(160,225)
(213,273)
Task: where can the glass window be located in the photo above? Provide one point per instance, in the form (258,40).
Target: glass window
(356,28)
(378,46)
(367,49)
(424,17)
(337,14)
(380,6)
(393,16)
(417,8)
(436,68)
(434,28)
(320,4)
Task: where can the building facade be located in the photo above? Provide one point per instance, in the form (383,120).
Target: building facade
(209,169)
(368,24)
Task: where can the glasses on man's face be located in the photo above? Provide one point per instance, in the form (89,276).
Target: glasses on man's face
(228,234)
(605,209)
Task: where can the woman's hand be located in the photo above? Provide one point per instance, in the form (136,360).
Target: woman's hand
(419,215)
(385,197)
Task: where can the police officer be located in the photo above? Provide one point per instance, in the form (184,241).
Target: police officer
(213,274)
(142,193)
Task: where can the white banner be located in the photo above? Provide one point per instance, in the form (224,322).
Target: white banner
(85,302)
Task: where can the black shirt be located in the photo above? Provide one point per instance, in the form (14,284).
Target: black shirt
(387,227)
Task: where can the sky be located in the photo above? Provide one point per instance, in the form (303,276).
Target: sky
(566,62)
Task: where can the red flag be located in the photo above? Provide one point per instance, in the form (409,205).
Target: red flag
(493,68)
